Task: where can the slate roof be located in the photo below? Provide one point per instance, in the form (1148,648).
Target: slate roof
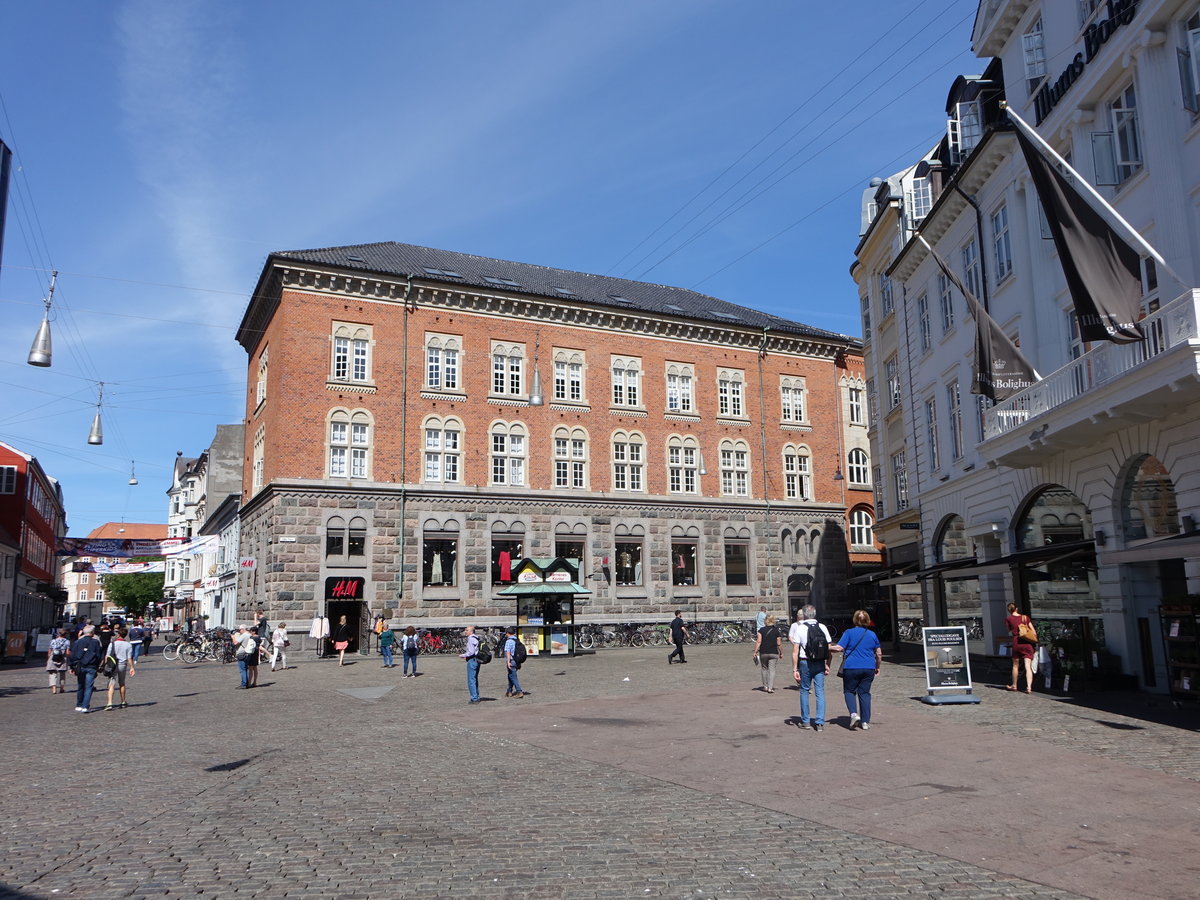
(448,267)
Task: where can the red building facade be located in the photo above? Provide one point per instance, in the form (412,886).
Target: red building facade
(31,510)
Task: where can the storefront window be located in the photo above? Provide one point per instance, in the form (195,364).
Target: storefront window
(683,563)
(1149,508)
(506,553)
(629,562)
(439,562)
(737,564)
(569,549)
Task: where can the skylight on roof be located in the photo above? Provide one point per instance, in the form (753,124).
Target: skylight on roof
(445,272)
(566,292)
(503,282)
(619,299)
(355,259)
(730,316)
(675,308)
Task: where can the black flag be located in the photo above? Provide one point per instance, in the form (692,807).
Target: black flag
(1103,271)
(1000,369)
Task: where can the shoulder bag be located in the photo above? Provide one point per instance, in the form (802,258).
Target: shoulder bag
(1026,633)
(842,662)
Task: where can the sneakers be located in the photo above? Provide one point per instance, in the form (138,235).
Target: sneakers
(854,721)
(864,725)
(79,709)
(107,708)
(818,728)
(124,706)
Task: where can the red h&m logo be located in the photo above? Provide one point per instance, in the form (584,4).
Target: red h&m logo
(344,588)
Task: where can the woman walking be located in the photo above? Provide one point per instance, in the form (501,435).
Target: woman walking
(766,650)
(1023,650)
(409,647)
(859,668)
(122,650)
(279,645)
(387,640)
(341,640)
(56,662)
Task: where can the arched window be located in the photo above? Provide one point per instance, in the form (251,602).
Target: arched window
(862,529)
(797,473)
(858,467)
(680,392)
(628,461)
(685,555)
(508,453)
(568,376)
(441,362)
(682,466)
(508,370)
(792,401)
(351,360)
(443,450)
(626,381)
(735,468)
(570,458)
(1148,505)
(730,385)
(349,444)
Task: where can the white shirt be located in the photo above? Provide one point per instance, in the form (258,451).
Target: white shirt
(798,635)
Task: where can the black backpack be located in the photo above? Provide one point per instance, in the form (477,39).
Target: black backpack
(816,646)
(483,654)
(520,654)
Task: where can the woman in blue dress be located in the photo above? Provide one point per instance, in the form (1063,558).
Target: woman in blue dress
(859,668)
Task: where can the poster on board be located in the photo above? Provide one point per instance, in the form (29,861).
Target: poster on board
(946,664)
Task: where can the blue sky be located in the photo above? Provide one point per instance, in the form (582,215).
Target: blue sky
(166,148)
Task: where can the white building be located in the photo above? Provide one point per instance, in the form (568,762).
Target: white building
(1077,497)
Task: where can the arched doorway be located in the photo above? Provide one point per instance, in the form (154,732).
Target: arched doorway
(958,599)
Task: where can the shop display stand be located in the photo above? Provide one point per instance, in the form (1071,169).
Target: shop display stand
(1181,643)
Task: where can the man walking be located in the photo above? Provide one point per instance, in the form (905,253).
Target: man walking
(471,655)
(510,660)
(760,621)
(810,663)
(136,635)
(86,653)
(678,636)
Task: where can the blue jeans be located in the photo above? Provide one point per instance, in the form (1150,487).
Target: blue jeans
(812,675)
(514,686)
(244,668)
(857,684)
(386,650)
(473,678)
(137,649)
(86,678)
(410,655)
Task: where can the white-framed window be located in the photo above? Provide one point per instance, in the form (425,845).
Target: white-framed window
(886,303)
(8,479)
(628,461)
(626,381)
(872,400)
(735,468)
(931,435)
(351,360)
(682,465)
(954,404)
(260,393)
(972,278)
(858,468)
(1188,53)
(797,473)
(964,130)
(570,458)
(260,439)
(1001,244)
(568,376)
(866,317)
(509,448)
(349,444)
(730,385)
(83,596)
(982,405)
(855,399)
(792,401)
(443,450)
(1034,47)
(924,328)
(946,302)
(508,370)
(680,389)
(862,529)
(442,356)
(1087,9)
(84,577)
(344,540)
(892,369)
(1128,145)
(900,480)
(920,199)
(99,596)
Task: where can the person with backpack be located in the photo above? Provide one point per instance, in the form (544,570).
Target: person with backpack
(86,654)
(409,646)
(766,651)
(513,663)
(120,649)
(56,662)
(860,667)
(471,653)
(136,634)
(811,644)
(245,645)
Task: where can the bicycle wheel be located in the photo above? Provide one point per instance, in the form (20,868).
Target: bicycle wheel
(637,639)
(584,640)
(189,653)
(170,652)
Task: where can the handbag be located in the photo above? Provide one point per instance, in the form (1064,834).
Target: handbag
(842,662)
(1026,633)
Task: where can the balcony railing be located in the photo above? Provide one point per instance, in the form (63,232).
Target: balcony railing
(1168,327)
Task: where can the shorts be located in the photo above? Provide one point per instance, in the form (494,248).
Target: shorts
(340,645)
(118,677)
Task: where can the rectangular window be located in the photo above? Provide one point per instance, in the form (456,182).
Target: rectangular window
(441,368)
(920,199)
(679,392)
(568,381)
(683,563)
(627,466)
(506,553)
(1001,245)
(1034,46)
(886,303)
(729,394)
(931,435)
(856,406)
(570,549)
(737,563)
(8,479)
(1125,128)
(735,474)
(626,375)
(923,326)
(351,353)
(866,318)
(900,480)
(795,476)
(964,130)
(629,562)
(261,388)
(955,405)
(791,396)
(972,278)
(681,469)
(892,369)
(1189,63)
(508,370)
(439,562)
(441,454)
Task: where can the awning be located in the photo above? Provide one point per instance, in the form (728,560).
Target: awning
(1175,546)
(880,574)
(1050,553)
(543,587)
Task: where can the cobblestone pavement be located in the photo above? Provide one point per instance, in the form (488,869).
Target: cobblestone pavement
(617,777)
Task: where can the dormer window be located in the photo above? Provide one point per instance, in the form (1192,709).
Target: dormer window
(964,130)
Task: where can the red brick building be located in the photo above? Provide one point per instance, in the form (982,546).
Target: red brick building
(32,511)
(690,452)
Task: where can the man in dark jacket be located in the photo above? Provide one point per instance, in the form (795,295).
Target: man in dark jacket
(86,654)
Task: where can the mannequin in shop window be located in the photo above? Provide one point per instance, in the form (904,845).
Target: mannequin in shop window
(624,567)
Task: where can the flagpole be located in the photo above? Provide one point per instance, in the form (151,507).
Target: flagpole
(1107,207)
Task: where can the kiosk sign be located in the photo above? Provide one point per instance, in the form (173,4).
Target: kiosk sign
(946,664)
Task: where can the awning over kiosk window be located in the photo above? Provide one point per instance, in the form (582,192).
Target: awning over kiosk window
(548,587)
(1175,546)
(1050,553)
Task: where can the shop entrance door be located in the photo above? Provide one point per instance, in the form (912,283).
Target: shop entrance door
(355,612)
